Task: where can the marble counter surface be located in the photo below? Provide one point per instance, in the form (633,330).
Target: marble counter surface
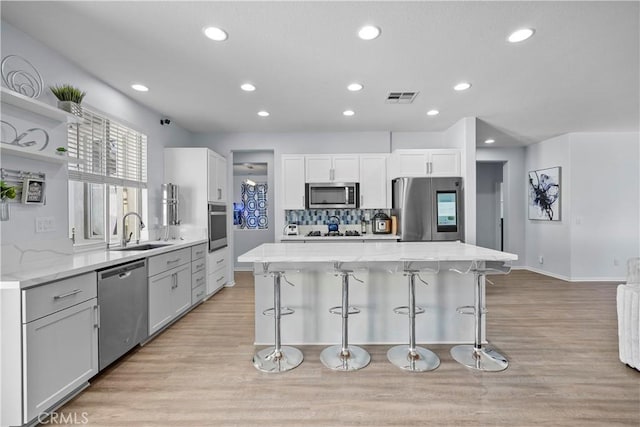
(372,252)
(68,265)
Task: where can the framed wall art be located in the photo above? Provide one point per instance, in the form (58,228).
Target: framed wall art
(33,191)
(544,194)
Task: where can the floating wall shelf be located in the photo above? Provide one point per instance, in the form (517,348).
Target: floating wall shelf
(15,150)
(38,107)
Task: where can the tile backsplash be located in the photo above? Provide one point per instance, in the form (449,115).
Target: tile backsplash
(321,216)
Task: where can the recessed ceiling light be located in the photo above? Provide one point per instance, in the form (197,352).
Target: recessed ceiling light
(354,87)
(215,33)
(433,112)
(263,113)
(348,113)
(489,141)
(521,35)
(462,86)
(369,32)
(139,87)
(248,87)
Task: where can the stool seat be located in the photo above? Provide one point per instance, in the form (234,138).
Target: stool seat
(344,357)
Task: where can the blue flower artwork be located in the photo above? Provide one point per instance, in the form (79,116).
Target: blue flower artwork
(544,194)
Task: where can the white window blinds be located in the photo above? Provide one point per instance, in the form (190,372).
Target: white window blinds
(102,151)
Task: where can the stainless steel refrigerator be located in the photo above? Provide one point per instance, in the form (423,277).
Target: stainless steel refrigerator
(429,209)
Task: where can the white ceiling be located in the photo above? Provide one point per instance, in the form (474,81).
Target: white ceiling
(578,73)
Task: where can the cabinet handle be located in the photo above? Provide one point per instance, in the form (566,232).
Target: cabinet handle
(97,310)
(199,266)
(199,279)
(173,260)
(219,193)
(124,275)
(199,253)
(174,280)
(303,201)
(219,278)
(220,260)
(361,201)
(68,294)
(199,294)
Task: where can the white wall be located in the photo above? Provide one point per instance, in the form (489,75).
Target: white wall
(416,140)
(55,69)
(605,204)
(600,207)
(551,239)
(514,188)
(488,179)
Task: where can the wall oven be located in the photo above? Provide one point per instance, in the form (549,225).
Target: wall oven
(217,226)
(333,196)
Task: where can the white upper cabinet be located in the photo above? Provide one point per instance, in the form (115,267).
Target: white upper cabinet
(293,182)
(435,162)
(332,168)
(375,187)
(217,178)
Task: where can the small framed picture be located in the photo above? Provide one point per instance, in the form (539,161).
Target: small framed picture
(33,191)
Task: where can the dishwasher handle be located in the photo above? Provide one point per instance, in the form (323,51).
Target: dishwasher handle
(122,271)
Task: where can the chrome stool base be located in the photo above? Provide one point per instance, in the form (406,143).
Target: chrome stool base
(423,360)
(266,360)
(483,359)
(332,358)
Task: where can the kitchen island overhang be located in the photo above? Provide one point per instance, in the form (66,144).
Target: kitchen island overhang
(310,267)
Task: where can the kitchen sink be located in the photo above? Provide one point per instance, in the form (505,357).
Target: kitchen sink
(143,247)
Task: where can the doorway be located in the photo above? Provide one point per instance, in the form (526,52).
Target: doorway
(253,202)
(490,205)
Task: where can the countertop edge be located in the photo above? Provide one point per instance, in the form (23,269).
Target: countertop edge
(83,262)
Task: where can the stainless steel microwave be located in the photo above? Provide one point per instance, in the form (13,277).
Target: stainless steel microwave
(333,196)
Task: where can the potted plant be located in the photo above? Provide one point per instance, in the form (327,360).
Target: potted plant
(6,192)
(61,151)
(69,97)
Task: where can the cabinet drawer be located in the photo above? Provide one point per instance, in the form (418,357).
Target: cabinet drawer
(55,296)
(218,278)
(198,265)
(197,294)
(217,259)
(164,262)
(198,251)
(198,279)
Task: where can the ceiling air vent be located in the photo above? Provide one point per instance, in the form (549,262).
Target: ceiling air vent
(401,97)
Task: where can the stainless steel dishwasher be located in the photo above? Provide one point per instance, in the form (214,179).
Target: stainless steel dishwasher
(123,305)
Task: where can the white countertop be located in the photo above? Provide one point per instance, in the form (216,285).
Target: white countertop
(340,238)
(372,252)
(71,265)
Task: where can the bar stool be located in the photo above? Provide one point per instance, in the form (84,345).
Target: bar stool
(477,356)
(277,358)
(409,357)
(344,357)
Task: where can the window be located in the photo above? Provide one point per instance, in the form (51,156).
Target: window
(107,179)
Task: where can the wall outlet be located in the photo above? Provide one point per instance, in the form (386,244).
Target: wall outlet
(541,259)
(45,224)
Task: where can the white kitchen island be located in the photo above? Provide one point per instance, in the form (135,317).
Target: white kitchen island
(379,265)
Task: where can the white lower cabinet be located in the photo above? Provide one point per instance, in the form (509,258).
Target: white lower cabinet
(60,355)
(217,270)
(169,296)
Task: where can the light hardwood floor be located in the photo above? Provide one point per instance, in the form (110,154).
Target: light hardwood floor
(560,339)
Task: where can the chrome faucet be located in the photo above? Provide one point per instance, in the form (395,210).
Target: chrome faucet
(124,240)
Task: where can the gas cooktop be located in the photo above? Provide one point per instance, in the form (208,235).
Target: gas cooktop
(317,233)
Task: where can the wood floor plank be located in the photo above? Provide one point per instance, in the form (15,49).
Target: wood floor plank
(560,338)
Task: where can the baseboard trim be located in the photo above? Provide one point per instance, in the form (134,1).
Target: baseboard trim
(572,279)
